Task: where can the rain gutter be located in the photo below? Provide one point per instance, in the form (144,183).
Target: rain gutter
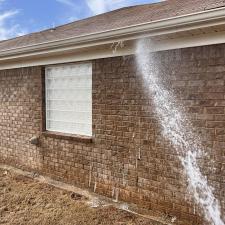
(192,21)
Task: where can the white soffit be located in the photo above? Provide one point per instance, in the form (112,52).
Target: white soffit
(205,28)
(106,51)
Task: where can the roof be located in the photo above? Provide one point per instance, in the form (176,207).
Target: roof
(120,18)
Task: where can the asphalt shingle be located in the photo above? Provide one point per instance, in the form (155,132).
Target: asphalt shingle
(115,19)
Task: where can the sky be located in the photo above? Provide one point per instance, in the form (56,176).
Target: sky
(19,17)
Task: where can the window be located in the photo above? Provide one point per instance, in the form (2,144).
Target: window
(69,98)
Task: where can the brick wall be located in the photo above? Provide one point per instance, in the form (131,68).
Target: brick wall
(129,156)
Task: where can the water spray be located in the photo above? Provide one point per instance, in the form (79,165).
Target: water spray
(178,129)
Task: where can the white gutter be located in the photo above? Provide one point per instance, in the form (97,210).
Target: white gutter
(161,27)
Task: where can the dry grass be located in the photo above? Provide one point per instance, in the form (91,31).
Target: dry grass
(24,201)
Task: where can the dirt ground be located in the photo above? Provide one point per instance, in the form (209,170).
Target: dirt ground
(24,201)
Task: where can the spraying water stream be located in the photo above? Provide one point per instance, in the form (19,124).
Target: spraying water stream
(177,128)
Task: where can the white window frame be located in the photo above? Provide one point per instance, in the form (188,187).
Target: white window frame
(68,99)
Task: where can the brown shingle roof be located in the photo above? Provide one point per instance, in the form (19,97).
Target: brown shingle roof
(116,19)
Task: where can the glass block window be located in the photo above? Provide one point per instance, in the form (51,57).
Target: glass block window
(69,98)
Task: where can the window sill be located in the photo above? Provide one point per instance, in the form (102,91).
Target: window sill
(71,137)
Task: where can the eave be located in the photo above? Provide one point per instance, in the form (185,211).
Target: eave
(97,45)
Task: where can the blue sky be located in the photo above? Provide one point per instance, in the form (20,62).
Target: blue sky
(18,17)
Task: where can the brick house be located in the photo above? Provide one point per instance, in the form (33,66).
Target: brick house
(77,90)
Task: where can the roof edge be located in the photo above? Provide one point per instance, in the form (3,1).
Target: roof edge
(160,27)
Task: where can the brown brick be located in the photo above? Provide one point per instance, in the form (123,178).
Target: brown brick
(124,121)
(214,110)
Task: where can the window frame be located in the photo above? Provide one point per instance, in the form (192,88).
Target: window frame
(56,134)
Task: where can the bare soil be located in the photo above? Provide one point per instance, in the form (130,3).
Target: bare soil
(24,201)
